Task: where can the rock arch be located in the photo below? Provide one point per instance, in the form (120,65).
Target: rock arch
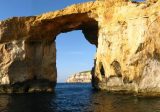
(125,32)
(29,45)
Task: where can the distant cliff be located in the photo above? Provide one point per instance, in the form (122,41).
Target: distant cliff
(81,77)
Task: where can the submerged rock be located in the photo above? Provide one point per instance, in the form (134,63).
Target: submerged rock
(126,34)
(81,77)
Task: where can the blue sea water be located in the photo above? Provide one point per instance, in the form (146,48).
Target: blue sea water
(77,98)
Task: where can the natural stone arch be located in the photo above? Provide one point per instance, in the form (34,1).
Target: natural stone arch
(48,26)
(128,46)
(29,45)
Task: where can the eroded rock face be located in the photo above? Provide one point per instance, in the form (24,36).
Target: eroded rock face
(129,48)
(29,62)
(127,36)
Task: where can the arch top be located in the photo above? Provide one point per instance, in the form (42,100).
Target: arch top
(47,26)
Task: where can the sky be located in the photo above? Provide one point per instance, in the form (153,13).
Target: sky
(74,52)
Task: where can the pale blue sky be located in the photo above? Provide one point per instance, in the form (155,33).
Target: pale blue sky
(74,52)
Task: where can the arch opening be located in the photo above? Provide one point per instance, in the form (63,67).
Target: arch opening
(74,54)
(71,24)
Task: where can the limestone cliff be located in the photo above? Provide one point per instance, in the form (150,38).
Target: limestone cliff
(126,34)
(128,53)
(81,77)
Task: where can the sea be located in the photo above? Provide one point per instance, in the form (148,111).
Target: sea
(77,98)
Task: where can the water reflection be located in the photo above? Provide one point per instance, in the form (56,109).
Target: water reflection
(4,101)
(77,98)
(107,102)
(27,103)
